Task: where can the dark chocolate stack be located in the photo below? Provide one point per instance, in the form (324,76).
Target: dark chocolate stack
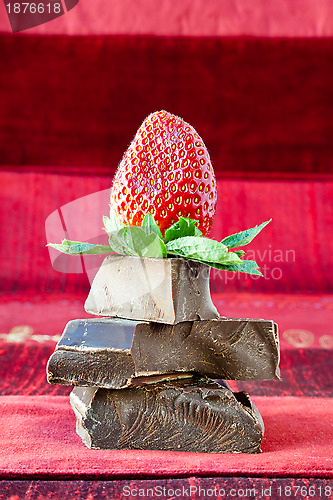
(143,372)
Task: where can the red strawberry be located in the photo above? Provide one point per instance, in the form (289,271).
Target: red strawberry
(165,171)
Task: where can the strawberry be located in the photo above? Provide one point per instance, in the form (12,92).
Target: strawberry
(166,171)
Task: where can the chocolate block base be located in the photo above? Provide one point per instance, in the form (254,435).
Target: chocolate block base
(197,415)
(161,290)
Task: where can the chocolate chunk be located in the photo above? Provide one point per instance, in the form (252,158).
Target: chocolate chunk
(113,353)
(159,290)
(197,415)
(232,349)
(94,352)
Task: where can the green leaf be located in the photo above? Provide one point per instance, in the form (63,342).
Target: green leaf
(119,245)
(202,249)
(240,253)
(112,224)
(244,237)
(247,266)
(133,240)
(78,248)
(184,227)
(149,226)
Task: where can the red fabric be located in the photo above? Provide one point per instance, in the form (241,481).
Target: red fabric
(188,17)
(68,108)
(23,358)
(40,432)
(261,105)
(293,260)
(305,321)
(268,488)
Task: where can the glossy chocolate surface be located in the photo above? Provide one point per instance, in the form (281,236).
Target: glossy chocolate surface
(114,353)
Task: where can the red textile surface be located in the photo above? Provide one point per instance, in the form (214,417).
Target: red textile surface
(68,109)
(40,432)
(266,488)
(261,105)
(293,249)
(191,17)
(305,321)
(304,372)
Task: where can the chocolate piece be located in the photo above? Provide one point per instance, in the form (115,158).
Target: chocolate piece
(94,352)
(197,416)
(112,353)
(160,290)
(227,348)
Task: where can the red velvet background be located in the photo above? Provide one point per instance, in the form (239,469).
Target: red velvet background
(261,104)
(293,260)
(69,106)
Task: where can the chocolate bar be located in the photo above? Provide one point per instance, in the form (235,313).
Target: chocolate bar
(160,290)
(113,353)
(197,415)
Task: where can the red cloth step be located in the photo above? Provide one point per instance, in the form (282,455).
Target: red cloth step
(40,433)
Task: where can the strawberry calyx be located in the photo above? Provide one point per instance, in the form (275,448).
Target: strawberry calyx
(182,239)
